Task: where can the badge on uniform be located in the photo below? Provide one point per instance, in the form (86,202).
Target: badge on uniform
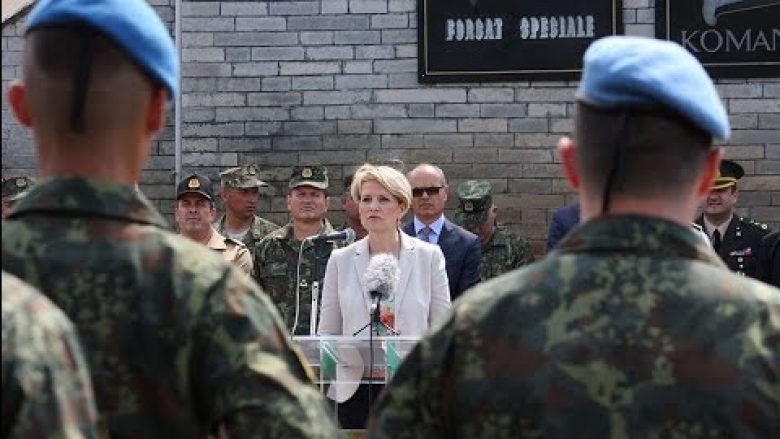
(21,182)
(194,183)
(468,206)
(747,251)
(306,173)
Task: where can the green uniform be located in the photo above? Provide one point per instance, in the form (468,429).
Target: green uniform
(631,329)
(276,270)
(46,387)
(178,341)
(257,231)
(504,252)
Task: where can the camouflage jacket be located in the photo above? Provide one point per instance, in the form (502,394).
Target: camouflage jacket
(257,231)
(504,252)
(46,387)
(179,342)
(632,328)
(276,270)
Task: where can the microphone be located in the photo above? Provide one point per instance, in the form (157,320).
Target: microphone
(381,278)
(344,235)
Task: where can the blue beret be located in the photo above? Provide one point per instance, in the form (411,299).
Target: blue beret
(621,71)
(132,24)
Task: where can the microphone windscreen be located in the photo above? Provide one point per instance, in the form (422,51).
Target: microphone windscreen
(382,275)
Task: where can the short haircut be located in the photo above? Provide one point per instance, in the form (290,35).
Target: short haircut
(428,165)
(391,179)
(662,151)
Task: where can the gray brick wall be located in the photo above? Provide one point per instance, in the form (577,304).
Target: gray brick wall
(282,83)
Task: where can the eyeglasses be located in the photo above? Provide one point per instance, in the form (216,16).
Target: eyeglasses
(432,190)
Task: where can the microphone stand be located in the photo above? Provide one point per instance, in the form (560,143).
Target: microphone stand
(319,250)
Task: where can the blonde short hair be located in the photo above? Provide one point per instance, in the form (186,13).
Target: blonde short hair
(391,179)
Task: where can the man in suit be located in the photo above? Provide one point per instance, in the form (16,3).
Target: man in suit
(460,247)
(563,220)
(735,239)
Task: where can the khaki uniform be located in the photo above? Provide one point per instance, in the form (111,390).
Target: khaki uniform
(232,251)
(259,228)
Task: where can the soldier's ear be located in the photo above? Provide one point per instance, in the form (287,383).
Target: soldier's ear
(17,98)
(567,151)
(710,171)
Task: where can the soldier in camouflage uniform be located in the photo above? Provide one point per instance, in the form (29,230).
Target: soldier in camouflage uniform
(502,251)
(631,328)
(179,343)
(46,387)
(276,256)
(240,192)
(13,189)
(194,213)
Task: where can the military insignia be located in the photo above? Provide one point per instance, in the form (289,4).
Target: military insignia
(468,206)
(21,182)
(763,227)
(306,173)
(251,170)
(747,251)
(193,183)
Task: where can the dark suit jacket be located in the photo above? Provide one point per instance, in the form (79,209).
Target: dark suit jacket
(769,259)
(740,244)
(563,220)
(462,255)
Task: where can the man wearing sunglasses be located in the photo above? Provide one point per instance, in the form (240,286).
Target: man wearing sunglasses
(460,247)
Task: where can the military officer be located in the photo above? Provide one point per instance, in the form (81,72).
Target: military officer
(287,278)
(194,214)
(630,327)
(46,387)
(240,192)
(13,189)
(179,343)
(502,251)
(735,239)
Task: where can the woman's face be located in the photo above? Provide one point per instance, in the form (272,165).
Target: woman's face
(379,210)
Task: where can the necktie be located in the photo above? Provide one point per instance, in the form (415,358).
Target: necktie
(716,240)
(425,234)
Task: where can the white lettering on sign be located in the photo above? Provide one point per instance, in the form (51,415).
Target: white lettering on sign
(548,28)
(474,29)
(727,40)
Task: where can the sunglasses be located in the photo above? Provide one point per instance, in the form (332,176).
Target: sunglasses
(420,191)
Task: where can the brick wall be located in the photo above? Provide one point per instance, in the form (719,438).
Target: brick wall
(335,82)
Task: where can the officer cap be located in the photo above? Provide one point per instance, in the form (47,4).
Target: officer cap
(728,174)
(474,202)
(241,177)
(196,183)
(315,176)
(15,187)
(630,72)
(132,24)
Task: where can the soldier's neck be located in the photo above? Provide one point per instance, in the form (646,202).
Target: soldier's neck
(237,225)
(306,228)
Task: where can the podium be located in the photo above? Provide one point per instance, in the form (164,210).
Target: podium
(342,363)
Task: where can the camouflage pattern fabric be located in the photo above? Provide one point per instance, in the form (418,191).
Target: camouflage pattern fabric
(276,262)
(504,253)
(631,329)
(46,387)
(258,230)
(178,341)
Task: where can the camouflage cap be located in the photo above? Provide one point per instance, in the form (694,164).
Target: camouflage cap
(315,176)
(474,201)
(15,187)
(241,177)
(728,175)
(198,184)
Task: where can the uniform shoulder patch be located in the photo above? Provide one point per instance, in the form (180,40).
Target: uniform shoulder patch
(229,240)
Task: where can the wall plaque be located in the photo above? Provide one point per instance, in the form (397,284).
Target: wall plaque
(731,38)
(495,40)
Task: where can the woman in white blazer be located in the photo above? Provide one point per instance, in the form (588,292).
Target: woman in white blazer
(421,295)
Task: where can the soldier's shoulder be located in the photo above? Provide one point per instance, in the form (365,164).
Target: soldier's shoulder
(752,225)
(23,306)
(262,222)
(232,242)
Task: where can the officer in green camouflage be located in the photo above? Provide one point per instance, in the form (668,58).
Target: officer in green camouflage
(240,192)
(631,327)
(13,189)
(276,256)
(46,387)
(502,251)
(179,342)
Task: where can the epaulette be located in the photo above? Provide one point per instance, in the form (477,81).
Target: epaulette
(761,226)
(234,241)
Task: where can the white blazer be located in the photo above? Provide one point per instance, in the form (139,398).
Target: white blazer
(422,295)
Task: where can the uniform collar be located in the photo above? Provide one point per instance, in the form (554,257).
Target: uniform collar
(709,228)
(89,197)
(637,234)
(217,241)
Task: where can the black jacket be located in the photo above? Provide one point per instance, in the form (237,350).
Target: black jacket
(740,244)
(769,259)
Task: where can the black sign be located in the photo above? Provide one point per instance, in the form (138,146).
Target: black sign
(731,38)
(496,40)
